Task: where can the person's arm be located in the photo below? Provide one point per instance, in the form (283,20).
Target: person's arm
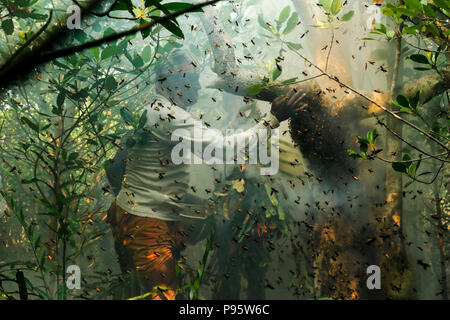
(172,124)
(117,166)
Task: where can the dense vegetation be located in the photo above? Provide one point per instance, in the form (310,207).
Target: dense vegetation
(363,176)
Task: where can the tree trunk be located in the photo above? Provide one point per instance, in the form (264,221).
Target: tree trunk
(398,281)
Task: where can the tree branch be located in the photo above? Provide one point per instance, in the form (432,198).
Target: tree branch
(25,62)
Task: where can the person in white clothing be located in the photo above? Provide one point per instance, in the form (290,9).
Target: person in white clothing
(152,201)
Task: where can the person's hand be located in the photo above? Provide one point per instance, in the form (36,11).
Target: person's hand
(283,107)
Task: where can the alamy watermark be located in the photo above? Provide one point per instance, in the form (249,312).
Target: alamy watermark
(74,20)
(210,146)
(74,279)
(374,280)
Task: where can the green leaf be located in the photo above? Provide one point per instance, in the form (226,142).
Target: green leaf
(419,58)
(73,156)
(275,73)
(199,275)
(370,136)
(147,53)
(30,123)
(403,166)
(284,14)
(121,47)
(80,35)
(326,4)
(157,4)
(291,24)
(108,52)
(425,173)
(380,27)
(336,6)
(433,29)
(145,33)
(60,99)
(399,167)
(414,102)
(444,4)
(414,30)
(353,154)
(177,6)
(348,16)
(401,101)
(413,5)
(272,197)
(428,10)
(142,120)
(110,83)
(126,115)
(412,170)
(363,140)
(108,32)
(294,46)
(377,151)
(289,81)
(172,27)
(61,65)
(37,16)
(137,61)
(125,5)
(254,89)
(390,33)
(8,26)
(96,52)
(363,147)
(96,27)
(281,213)
(363,144)
(263,24)
(422,69)
(407,157)
(24,3)
(404,110)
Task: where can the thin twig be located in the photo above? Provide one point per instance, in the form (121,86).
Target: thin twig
(331,48)
(424,49)
(412,160)
(409,144)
